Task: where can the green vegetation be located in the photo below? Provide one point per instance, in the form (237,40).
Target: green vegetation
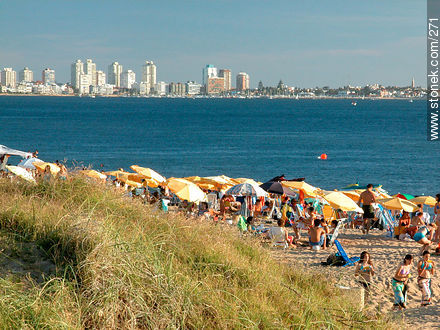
(120,264)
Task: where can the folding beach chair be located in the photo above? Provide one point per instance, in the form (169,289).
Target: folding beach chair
(341,251)
(341,224)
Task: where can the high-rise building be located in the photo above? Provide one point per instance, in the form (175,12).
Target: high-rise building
(90,69)
(84,83)
(76,70)
(209,71)
(8,77)
(25,75)
(149,75)
(128,78)
(413,83)
(242,81)
(48,76)
(226,75)
(215,85)
(100,78)
(114,74)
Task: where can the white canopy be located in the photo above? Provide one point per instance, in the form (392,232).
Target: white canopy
(4,150)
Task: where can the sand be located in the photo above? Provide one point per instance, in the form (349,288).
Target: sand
(386,254)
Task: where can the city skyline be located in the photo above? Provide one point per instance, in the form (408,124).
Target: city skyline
(303,44)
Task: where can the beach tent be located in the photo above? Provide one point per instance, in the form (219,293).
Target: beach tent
(21,172)
(425,200)
(396,203)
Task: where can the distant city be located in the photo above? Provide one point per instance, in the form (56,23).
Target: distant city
(86,80)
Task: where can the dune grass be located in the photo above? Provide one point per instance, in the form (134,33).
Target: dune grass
(121,264)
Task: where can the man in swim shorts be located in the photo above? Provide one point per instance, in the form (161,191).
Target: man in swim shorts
(367,199)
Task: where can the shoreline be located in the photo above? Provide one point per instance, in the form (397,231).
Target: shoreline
(370,98)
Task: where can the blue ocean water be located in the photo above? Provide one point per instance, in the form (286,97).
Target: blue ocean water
(378,141)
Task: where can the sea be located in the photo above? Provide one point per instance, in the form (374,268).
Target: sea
(377,141)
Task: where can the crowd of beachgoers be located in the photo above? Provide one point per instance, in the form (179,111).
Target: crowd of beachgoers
(285,213)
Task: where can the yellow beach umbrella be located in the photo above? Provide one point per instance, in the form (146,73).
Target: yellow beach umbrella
(396,203)
(41,166)
(148,173)
(301,185)
(338,200)
(352,194)
(94,174)
(426,200)
(21,172)
(186,190)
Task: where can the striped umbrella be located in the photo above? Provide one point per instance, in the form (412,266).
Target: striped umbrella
(246,189)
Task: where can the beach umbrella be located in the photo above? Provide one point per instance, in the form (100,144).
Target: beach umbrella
(338,200)
(352,194)
(275,187)
(148,173)
(396,203)
(94,174)
(246,189)
(186,190)
(20,172)
(425,200)
(41,166)
(301,185)
(29,163)
(404,196)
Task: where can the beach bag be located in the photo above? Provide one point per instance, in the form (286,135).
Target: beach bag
(242,225)
(334,260)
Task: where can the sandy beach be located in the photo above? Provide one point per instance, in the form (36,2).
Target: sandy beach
(386,254)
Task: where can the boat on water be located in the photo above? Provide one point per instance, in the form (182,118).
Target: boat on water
(411,100)
(354,103)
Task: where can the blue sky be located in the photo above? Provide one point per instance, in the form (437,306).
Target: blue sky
(304,43)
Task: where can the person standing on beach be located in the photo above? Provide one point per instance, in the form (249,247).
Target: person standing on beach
(426,269)
(365,271)
(367,199)
(400,282)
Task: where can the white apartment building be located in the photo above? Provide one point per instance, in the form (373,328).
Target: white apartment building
(128,78)
(209,71)
(76,70)
(90,69)
(25,75)
(100,78)
(114,74)
(48,76)
(161,88)
(84,84)
(8,78)
(192,88)
(149,75)
(242,81)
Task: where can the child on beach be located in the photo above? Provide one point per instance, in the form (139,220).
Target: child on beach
(400,282)
(365,271)
(426,269)
(318,235)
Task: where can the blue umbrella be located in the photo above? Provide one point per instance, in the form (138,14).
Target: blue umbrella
(246,189)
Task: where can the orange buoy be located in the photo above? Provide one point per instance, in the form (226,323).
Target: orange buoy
(323,156)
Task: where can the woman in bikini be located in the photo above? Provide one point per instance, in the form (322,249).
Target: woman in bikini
(437,217)
(426,269)
(365,271)
(400,280)
(424,236)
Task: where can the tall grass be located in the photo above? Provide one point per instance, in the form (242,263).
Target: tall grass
(121,264)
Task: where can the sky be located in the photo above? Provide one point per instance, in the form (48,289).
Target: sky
(304,43)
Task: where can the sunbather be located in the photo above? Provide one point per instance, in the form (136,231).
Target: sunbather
(424,236)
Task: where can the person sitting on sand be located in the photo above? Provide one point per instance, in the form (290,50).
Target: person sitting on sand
(332,229)
(400,282)
(47,175)
(416,223)
(365,271)
(424,236)
(280,234)
(318,234)
(426,269)
(228,204)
